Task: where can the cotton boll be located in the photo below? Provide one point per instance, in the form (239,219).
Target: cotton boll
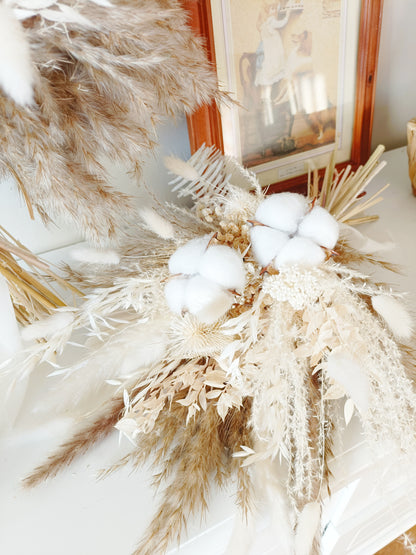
(186,259)
(300,251)
(223,265)
(394,314)
(175,292)
(321,227)
(282,211)
(207,300)
(266,243)
(347,372)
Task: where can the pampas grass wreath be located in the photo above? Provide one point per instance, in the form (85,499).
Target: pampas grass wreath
(257,387)
(85,80)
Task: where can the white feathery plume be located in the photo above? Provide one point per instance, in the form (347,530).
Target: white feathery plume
(394,314)
(179,167)
(95,256)
(346,371)
(156,223)
(16,68)
(48,326)
(307,526)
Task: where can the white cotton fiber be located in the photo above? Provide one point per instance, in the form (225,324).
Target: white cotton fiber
(175,292)
(207,300)
(347,372)
(266,243)
(224,266)
(16,68)
(300,251)
(186,259)
(282,211)
(321,227)
(394,314)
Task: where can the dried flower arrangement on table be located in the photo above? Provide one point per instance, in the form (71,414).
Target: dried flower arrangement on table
(223,338)
(229,352)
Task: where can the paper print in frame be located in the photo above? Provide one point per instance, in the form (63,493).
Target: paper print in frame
(303,76)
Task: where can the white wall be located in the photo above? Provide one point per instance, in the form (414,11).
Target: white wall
(396,79)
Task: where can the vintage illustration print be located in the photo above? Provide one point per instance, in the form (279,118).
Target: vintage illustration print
(286,60)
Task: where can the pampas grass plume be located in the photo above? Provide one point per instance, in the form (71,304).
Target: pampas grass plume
(16,69)
(181,168)
(394,314)
(48,326)
(157,223)
(282,211)
(321,227)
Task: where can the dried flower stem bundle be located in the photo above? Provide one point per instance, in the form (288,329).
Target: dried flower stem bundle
(260,388)
(341,192)
(30,289)
(104,75)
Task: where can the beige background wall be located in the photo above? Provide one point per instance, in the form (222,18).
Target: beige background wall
(396,80)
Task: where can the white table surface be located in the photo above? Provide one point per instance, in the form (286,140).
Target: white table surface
(76,514)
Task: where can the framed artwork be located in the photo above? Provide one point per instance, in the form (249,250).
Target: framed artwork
(301,76)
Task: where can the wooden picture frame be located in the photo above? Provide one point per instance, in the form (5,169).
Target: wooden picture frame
(205,126)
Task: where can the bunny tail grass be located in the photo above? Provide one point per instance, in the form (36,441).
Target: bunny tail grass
(78,445)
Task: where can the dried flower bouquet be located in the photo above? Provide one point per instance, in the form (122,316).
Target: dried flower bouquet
(229,336)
